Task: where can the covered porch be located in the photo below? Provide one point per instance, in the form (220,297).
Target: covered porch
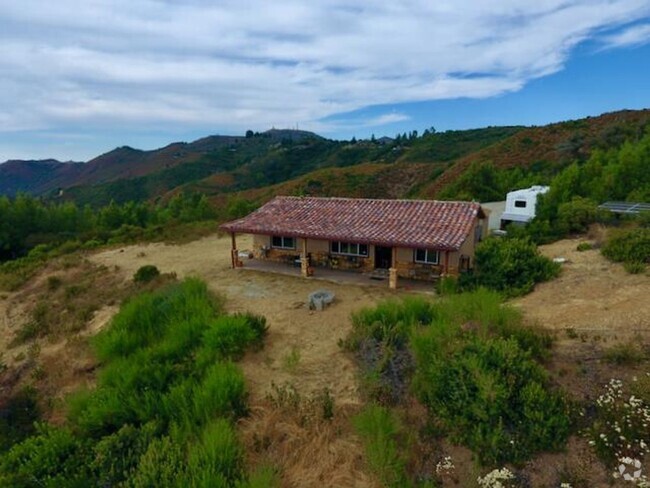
(335,276)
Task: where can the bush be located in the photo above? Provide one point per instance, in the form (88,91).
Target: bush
(634,267)
(491,396)
(447,285)
(162,410)
(576,215)
(17,416)
(52,457)
(627,354)
(146,273)
(628,246)
(511,266)
(162,464)
(54,283)
(379,430)
(472,363)
(584,246)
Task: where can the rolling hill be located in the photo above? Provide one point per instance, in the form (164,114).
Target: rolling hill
(260,165)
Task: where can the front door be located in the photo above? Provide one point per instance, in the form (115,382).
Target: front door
(383,257)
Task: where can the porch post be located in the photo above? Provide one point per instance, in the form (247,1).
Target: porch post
(233,250)
(446,263)
(392,272)
(305,270)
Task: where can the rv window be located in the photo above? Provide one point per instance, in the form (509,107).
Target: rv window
(520,203)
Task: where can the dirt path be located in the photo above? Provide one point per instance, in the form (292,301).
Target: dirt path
(302,347)
(592,294)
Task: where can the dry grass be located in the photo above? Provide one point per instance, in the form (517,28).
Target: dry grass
(308,450)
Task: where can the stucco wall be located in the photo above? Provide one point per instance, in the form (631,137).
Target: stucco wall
(319,251)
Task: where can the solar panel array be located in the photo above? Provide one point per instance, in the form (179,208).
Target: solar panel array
(626,207)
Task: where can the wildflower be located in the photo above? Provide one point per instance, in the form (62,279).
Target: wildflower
(445,466)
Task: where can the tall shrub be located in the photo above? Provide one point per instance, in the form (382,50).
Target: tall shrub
(511,266)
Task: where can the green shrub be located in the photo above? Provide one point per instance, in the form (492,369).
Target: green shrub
(162,410)
(17,416)
(379,430)
(447,285)
(117,456)
(490,395)
(146,273)
(576,215)
(584,246)
(629,246)
(474,368)
(512,266)
(38,326)
(162,464)
(626,354)
(217,459)
(265,477)
(634,267)
(54,283)
(53,457)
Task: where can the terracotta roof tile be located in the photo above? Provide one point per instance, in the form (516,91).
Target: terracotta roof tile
(404,223)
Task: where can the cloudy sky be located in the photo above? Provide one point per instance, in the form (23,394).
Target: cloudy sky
(79,78)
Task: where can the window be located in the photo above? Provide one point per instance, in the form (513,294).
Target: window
(520,203)
(281,242)
(427,256)
(349,248)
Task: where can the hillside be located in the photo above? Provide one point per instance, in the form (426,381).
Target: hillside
(260,165)
(36,177)
(552,145)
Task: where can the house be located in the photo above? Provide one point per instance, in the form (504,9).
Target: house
(520,205)
(417,239)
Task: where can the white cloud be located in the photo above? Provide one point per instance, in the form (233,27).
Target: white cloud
(633,36)
(387,119)
(233,65)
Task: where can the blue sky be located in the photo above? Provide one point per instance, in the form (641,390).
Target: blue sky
(78,79)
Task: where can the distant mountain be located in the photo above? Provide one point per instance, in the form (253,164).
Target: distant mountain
(258,165)
(36,177)
(125,163)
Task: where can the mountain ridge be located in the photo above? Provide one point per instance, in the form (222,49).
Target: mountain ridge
(301,162)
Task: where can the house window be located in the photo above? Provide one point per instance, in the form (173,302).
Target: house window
(427,256)
(282,242)
(349,248)
(520,203)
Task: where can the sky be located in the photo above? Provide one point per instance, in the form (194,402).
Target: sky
(80,78)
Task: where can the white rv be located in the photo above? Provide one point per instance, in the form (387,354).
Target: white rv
(520,205)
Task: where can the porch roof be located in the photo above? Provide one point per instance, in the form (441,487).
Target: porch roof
(403,223)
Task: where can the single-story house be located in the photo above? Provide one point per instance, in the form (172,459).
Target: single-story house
(417,239)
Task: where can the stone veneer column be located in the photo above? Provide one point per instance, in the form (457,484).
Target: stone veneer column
(392,278)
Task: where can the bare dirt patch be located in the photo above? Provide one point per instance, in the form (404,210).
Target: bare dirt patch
(591,295)
(43,330)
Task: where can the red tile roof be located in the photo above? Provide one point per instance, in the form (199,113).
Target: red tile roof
(403,223)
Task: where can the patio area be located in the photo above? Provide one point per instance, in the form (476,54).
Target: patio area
(338,276)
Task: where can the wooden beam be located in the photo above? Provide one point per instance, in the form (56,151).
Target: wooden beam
(446,262)
(393,258)
(304,247)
